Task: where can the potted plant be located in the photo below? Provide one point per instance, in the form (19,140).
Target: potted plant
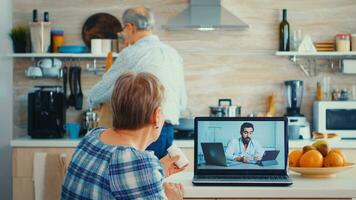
(19,38)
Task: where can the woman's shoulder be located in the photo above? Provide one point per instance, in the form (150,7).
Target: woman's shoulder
(129,154)
(129,160)
(92,136)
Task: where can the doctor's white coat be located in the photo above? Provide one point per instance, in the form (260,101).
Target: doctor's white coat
(235,148)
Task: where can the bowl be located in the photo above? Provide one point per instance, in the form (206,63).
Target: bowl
(73,49)
(321,172)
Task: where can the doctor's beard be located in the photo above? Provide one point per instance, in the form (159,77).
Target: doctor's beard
(246,140)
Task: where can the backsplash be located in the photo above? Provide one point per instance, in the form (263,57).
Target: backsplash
(221,64)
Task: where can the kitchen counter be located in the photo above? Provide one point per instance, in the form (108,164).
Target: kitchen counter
(66,142)
(70,143)
(342,186)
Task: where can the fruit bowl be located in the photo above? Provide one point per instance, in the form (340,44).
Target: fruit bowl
(322,172)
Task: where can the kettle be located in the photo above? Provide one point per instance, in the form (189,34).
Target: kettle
(90,120)
(228,110)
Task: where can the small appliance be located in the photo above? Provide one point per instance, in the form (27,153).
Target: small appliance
(298,127)
(90,121)
(46,112)
(335,117)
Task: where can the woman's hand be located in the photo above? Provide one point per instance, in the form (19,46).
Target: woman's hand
(174,191)
(169,165)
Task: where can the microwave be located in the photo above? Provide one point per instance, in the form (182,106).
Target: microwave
(335,117)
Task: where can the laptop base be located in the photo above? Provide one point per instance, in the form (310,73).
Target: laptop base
(197,183)
(217,181)
(268,162)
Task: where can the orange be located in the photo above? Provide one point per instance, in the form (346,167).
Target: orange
(293,158)
(312,158)
(339,152)
(333,159)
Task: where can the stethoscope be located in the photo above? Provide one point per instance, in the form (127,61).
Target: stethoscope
(241,146)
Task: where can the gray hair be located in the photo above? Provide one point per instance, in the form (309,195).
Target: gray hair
(142,18)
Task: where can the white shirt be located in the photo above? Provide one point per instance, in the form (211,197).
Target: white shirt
(236,148)
(151,55)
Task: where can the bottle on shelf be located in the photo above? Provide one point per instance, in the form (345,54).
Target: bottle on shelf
(284,33)
(34,15)
(319,92)
(45,16)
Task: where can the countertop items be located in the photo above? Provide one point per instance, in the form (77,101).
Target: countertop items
(66,142)
(342,186)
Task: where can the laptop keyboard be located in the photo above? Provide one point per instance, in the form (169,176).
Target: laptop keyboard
(244,177)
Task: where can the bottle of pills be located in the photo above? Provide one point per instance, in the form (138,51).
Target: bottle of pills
(174,151)
(343,42)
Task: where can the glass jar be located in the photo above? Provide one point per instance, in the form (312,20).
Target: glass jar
(57,39)
(353,42)
(343,42)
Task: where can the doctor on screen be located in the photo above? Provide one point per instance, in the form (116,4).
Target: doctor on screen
(245,149)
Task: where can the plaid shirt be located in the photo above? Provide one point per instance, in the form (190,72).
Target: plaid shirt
(100,171)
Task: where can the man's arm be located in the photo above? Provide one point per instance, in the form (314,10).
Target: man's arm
(102,90)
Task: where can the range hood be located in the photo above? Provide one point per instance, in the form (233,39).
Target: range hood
(205,15)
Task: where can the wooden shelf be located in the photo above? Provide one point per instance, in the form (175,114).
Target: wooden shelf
(58,55)
(307,61)
(316,54)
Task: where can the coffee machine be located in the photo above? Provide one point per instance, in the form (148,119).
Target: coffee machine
(298,126)
(46,112)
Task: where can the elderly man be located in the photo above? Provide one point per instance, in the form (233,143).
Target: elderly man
(144,52)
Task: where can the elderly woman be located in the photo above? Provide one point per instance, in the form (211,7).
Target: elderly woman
(113,163)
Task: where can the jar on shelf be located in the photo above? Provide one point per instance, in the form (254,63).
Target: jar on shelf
(57,40)
(353,42)
(343,42)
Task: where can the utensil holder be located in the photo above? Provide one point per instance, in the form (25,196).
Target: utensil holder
(40,36)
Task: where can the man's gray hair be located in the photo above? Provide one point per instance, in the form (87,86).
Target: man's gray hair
(142,19)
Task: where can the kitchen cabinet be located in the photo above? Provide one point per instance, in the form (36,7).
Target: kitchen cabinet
(22,169)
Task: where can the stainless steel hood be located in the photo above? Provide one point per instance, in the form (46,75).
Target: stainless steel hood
(205,15)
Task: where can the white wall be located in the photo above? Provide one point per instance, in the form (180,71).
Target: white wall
(6,101)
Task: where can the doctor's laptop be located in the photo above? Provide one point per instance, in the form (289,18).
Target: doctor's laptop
(214,155)
(259,144)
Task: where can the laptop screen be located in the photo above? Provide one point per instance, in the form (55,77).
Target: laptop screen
(240,143)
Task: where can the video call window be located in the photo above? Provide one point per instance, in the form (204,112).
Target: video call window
(241,145)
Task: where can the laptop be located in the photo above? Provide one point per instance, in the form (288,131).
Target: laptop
(219,138)
(214,155)
(269,158)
